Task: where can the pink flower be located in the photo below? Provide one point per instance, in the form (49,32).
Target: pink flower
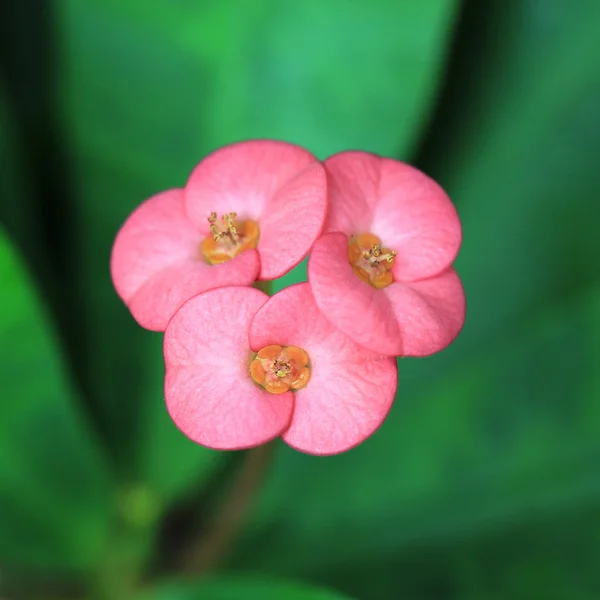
(250,210)
(243,369)
(382,272)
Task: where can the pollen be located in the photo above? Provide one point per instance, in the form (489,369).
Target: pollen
(228,238)
(370,261)
(278,369)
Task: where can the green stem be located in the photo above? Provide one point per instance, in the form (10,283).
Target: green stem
(213,547)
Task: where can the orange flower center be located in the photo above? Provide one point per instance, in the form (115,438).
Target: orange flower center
(278,369)
(370,262)
(228,238)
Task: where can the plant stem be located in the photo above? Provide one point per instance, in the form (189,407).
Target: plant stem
(213,547)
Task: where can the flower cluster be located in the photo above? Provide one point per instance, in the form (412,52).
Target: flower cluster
(315,363)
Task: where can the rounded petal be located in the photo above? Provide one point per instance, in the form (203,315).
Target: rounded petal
(352,180)
(359,310)
(404,207)
(343,404)
(430,313)
(158,300)
(416,218)
(208,390)
(292,220)
(156,265)
(242,178)
(350,390)
(156,235)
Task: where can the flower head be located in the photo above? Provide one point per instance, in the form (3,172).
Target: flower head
(249,211)
(243,369)
(382,272)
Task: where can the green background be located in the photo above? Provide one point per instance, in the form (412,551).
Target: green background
(484,481)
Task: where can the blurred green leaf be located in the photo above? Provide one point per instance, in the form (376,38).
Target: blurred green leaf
(128,374)
(507,419)
(149,88)
(17,214)
(236,587)
(54,485)
(523,168)
(544,554)
(179,79)
(547,557)
(11,182)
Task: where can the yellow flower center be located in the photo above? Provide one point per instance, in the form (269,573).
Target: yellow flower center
(370,262)
(279,369)
(228,237)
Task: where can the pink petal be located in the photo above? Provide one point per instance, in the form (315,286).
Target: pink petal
(352,180)
(291,222)
(350,390)
(430,313)
(415,217)
(409,211)
(158,300)
(360,311)
(242,178)
(343,403)
(156,264)
(209,393)
(156,235)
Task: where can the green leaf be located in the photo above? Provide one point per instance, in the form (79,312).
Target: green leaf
(149,88)
(55,489)
(544,555)
(522,169)
(547,557)
(12,182)
(507,419)
(329,77)
(17,212)
(236,587)
(150,452)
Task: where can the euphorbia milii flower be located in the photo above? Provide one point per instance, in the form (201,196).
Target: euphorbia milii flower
(382,272)
(249,211)
(243,368)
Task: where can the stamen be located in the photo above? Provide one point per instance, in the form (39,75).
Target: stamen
(281,368)
(216,233)
(370,262)
(228,237)
(277,369)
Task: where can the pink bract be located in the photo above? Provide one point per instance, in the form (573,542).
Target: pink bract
(211,397)
(156,263)
(423,310)
(281,186)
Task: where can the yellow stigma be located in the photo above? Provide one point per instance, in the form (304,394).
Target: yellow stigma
(370,262)
(278,369)
(228,237)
